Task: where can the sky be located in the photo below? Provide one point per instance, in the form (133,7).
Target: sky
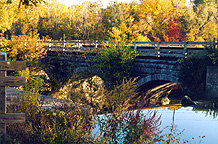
(104,2)
(76,2)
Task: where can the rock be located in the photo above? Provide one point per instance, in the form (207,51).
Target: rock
(158,101)
(165,101)
(90,90)
(186,101)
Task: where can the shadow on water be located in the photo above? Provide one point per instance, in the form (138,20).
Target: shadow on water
(155,92)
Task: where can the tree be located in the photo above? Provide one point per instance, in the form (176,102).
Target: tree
(155,16)
(7,15)
(197,2)
(27,21)
(200,23)
(112,17)
(173,32)
(29,2)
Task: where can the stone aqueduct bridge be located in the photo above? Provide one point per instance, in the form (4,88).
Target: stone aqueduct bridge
(156,60)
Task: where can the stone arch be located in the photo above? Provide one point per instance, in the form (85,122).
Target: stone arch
(153,77)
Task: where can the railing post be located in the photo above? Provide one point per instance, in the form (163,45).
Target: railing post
(185,49)
(135,46)
(64,45)
(78,44)
(158,49)
(96,46)
(49,45)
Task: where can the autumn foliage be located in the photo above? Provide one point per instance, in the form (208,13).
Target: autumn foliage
(149,20)
(173,32)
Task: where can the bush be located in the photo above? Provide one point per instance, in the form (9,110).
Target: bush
(63,125)
(114,63)
(212,51)
(34,82)
(192,75)
(17,50)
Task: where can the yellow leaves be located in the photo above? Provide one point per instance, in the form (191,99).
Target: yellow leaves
(24,48)
(7,15)
(115,33)
(140,37)
(210,31)
(119,33)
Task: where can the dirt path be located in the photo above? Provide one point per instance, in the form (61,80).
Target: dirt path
(45,101)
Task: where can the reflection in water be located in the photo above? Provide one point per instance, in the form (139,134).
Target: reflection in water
(208,107)
(195,125)
(158,94)
(198,124)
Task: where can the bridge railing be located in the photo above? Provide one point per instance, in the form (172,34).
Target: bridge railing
(155,49)
(169,49)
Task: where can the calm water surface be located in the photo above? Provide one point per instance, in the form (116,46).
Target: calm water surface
(194,123)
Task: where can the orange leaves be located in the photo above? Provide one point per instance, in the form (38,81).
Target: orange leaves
(173,32)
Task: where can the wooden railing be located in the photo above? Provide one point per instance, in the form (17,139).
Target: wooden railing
(154,49)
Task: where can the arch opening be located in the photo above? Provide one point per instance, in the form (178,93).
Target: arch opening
(160,92)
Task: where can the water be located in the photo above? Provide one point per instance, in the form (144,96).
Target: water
(194,124)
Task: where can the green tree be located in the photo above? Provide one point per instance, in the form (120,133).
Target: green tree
(27,21)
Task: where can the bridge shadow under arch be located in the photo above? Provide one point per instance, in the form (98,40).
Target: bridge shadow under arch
(157,77)
(159,86)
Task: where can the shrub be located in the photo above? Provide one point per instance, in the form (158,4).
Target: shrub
(35,82)
(63,125)
(192,75)
(74,123)
(17,50)
(212,51)
(114,63)
(131,126)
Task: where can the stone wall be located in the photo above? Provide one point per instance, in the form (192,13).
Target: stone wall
(212,82)
(62,65)
(145,68)
(148,69)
